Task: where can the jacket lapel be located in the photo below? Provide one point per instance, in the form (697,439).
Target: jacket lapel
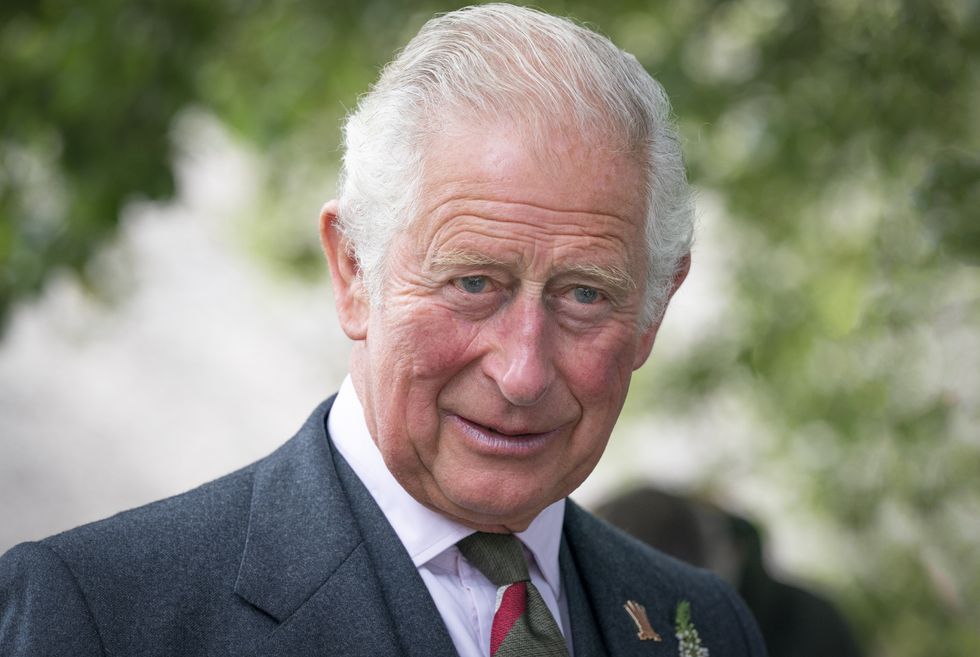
(586,637)
(305,562)
(419,626)
(607,583)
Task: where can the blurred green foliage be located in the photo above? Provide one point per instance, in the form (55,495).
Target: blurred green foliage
(841,139)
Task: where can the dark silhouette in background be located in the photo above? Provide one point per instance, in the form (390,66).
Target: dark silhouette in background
(794,621)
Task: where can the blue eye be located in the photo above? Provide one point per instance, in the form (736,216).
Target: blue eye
(586,295)
(472,284)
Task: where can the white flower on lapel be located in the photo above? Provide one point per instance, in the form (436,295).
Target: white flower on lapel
(690,642)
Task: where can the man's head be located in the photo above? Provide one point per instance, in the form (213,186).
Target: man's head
(513,218)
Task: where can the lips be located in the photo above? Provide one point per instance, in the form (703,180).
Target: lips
(503,441)
(507,433)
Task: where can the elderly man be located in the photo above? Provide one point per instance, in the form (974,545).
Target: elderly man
(513,219)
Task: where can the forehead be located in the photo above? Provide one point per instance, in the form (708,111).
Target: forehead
(557,166)
(486,184)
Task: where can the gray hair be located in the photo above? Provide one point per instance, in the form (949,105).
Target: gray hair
(536,70)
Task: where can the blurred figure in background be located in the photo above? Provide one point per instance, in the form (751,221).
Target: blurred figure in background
(794,622)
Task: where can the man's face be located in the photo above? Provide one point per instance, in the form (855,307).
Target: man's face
(497,364)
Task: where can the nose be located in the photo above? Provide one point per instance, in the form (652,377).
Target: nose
(521,361)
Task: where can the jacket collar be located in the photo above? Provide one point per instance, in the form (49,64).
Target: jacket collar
(300,527)
(306,562)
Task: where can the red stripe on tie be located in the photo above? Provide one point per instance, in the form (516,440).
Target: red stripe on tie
(512,605)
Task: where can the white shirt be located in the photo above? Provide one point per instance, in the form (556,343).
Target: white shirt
(464,597)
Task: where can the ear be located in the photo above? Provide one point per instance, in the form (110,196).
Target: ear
(646,340)
(350,296)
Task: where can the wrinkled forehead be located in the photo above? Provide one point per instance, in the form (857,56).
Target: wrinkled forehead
(554,165)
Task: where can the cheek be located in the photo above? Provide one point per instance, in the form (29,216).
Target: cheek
(600,373)
(434,343)
(421,349)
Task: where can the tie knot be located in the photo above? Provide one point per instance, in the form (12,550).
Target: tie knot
(498,556)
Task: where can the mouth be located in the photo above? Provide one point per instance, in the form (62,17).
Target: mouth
(504,441)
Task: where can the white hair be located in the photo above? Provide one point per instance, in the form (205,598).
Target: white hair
(535,70)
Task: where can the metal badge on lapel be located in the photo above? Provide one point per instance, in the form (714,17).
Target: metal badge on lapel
(639,615)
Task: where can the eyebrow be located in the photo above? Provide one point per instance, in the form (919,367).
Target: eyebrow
(452,259)
(615,277)
(611,276)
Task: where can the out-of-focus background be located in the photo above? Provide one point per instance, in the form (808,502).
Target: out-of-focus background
(166,316)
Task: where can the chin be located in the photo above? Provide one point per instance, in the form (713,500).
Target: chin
(498,503)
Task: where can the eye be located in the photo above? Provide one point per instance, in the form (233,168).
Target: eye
(582,305)
(586,295)
(472,284)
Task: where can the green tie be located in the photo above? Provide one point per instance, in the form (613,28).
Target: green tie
(522,624)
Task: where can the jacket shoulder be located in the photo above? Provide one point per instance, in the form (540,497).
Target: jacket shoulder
(180,528)
(58,596)
(36,586)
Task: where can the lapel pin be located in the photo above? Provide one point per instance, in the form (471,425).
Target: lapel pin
(639,615)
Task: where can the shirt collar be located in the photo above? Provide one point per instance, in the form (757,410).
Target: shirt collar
(425,533)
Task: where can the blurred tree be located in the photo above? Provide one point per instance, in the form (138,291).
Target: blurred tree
(87,98)
(841,139)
